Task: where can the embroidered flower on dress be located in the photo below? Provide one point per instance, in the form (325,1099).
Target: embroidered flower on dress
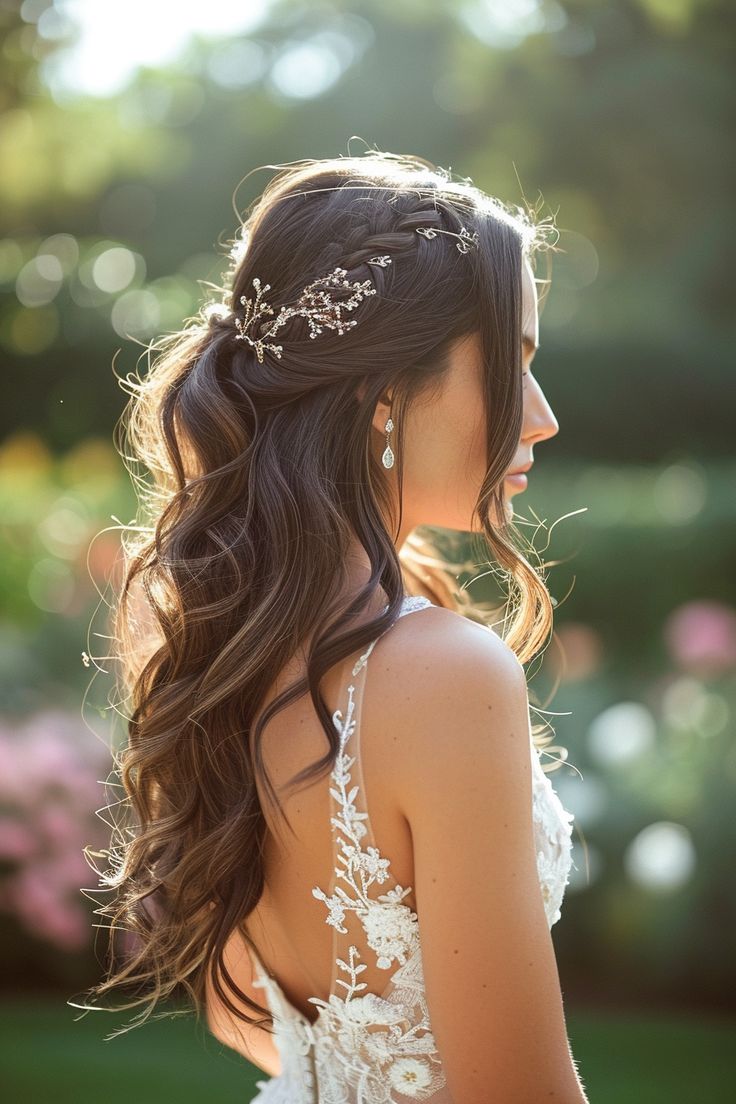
(393,896)
(373,865)
(390,931)
(409,1075)
(372,1009)
(379,1047)
(337,910)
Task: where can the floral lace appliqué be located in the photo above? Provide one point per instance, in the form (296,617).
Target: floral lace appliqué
(402,1053)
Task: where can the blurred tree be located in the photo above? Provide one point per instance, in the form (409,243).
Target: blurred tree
(616,113)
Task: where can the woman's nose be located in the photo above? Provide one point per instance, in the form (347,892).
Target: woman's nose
(540,422)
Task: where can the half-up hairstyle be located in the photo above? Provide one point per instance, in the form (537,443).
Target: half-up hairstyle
(259,475)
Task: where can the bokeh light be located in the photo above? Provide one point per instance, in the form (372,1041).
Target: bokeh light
(680,493)
(39,280)
(701,637)
(115,268)
(661,857)
(51,585)
(688,706)
(621,734)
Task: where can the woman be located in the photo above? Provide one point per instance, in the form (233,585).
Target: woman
(367,373)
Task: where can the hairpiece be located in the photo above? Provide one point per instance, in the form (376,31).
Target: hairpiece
(464,236)
(315,304)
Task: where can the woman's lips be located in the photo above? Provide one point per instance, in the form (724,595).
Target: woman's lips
(518,481)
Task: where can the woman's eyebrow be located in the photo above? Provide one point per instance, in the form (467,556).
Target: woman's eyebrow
(529,344)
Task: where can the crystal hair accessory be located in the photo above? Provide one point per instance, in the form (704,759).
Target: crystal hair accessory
(316,304)
(464,236)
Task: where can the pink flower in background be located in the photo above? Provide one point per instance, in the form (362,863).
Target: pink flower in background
(701,637)
(50,749)
(51,767)
(17,842)
(58,824)
(32,894)
(47,915)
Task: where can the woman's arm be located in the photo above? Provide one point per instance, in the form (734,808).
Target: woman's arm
(254,1043)
(462,777)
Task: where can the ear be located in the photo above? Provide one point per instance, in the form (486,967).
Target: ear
(382,413)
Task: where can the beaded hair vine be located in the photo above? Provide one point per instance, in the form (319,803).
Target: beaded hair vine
(316,303)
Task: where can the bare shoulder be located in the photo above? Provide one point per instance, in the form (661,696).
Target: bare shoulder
(443,641)
(452,694)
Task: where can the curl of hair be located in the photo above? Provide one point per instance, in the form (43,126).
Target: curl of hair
(258,476)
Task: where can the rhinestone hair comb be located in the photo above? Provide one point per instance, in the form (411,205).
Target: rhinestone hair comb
(316,304)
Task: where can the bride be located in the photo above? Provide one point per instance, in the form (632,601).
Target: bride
(344,847)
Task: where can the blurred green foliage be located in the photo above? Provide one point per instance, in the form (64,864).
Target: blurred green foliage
(616,114)
(663,1059)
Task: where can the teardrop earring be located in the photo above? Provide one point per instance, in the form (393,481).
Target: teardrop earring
(388,457)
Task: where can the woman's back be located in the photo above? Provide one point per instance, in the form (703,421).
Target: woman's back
(338,927)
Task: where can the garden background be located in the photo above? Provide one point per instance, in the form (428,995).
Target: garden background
(125,133)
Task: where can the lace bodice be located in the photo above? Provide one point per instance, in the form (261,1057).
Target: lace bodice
(364,1047)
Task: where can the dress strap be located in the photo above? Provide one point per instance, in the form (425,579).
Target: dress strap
(357,861)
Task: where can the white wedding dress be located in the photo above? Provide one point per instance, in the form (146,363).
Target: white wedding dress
(366,1048)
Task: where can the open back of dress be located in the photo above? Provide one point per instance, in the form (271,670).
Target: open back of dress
(373,1043)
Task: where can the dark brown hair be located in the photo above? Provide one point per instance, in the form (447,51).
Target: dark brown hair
(257,478)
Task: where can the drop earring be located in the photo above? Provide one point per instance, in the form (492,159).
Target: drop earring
(388,457)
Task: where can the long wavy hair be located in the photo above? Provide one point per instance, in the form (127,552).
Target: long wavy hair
(253,480)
